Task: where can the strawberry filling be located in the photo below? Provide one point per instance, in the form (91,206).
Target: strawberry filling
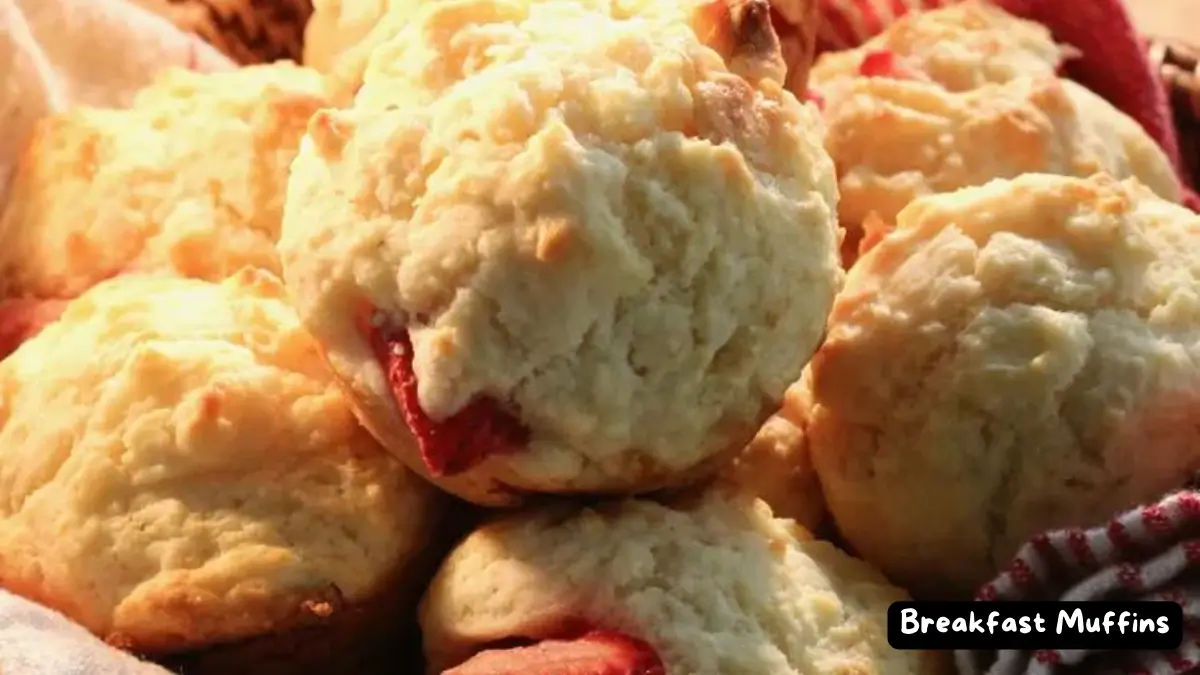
(21,319)
(593,653)
(883,63)
(453,445)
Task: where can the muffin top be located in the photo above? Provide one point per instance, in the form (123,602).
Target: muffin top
(894,140)
(1012,358)
(720,586)
(178,468)
(960,47)
(628,248)
(189,180)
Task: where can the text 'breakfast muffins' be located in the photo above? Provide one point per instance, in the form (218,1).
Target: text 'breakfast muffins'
(1013,358)
(758,38)
(718,586)
(893,140)
(960,47)
(180,474)
(594,267)
(188,180)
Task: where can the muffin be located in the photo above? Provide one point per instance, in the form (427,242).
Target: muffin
(718,586)
(758,38)
(960,47)
(181,475)
(894,140)
(775,467)
(189,180)
(1013,358)
(590,268)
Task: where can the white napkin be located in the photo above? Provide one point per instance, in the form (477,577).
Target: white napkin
(37,641)
(58,53)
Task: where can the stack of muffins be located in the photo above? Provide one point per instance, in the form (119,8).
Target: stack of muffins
(563,330)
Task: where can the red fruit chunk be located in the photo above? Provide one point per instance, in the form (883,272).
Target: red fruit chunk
(478,431)
(884,63)
(595,653)
(21,319)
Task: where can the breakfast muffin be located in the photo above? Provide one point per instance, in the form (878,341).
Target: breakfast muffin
(188,180)
(758,38)
(181,475)
(1013,358)
(961,46)
(590,268)
(894,140)
(638,588)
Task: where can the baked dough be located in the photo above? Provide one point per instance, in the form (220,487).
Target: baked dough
(188,180)
(1013,358)
(626,249)
(893,140)
(776,467)
(720,587)
(961,46)
(178,469)
(757,38)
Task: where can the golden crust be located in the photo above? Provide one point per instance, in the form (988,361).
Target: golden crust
(719,587)
(188,180)
(179,469)
(549,217)
(1013,358)
(895,140)
(960,47)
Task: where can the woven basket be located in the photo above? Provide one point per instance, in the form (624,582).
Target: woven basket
(247,31)
(1179,65)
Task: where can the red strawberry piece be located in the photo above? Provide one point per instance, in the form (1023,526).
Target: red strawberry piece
(453,445)
(884,63)
(595,653)
(21,319)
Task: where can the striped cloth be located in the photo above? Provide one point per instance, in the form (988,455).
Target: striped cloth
(1114,61)
(1149,553)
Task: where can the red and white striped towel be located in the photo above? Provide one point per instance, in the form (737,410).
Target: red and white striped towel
(1150,553)
(1113,62)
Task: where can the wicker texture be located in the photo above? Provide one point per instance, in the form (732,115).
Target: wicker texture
(247,31)
(1179,65)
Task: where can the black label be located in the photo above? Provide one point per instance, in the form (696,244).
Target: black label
(1035,625)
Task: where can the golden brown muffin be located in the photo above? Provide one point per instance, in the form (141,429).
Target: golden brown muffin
(776,467)
(718,587)
(962,46)
(894,140)
(1013,358)
(189,180)
(181,475)
(757,38)
(588,267)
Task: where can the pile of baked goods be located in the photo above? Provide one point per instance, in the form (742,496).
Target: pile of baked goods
(582,336)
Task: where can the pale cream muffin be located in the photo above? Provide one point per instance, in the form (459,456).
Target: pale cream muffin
(961,46)
(592,268)
(894,140)
(189,180)
(719,586)
(181,475)
(338,25)
(757,38)
(1013,358)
